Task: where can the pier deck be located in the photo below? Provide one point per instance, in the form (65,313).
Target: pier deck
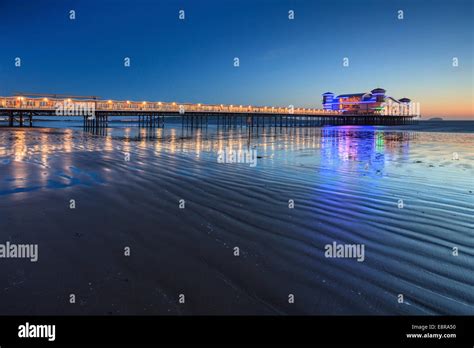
(21,110)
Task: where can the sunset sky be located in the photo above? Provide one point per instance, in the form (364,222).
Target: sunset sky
(282,61)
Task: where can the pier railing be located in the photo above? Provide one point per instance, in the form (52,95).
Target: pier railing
(22,103)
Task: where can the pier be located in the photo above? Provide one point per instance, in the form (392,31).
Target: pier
(21,110)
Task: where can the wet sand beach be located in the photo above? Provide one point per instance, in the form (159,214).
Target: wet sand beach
(128,187)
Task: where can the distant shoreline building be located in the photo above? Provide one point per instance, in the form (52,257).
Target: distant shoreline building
(374,103)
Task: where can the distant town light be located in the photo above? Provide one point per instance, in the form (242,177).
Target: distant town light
(45,99)
(128,101)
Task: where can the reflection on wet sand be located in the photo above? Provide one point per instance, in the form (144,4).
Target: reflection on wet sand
(345,147)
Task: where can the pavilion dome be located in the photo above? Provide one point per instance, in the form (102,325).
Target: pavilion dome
(378,91)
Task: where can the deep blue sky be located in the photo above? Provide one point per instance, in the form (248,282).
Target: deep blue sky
(281,61)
